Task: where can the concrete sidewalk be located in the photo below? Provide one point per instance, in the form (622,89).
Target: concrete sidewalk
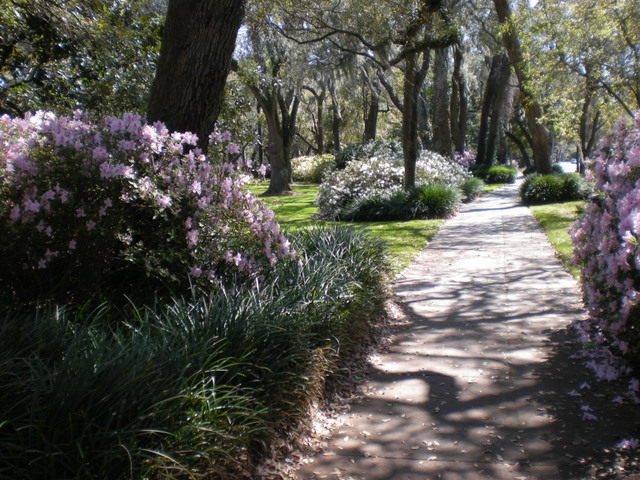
(462,390)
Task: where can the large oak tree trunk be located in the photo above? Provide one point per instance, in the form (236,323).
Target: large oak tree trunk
(491,118)
(414,76)
(541,141)
(197,45)
(441,122)
(459,104)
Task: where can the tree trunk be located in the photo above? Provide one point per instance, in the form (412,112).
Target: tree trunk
(491,117)
(414,76)
(336,121)
(441,114)
(371,117)
(459,106)
(318,119)
(197,45)
(541,141)
(410,122)
(424,126)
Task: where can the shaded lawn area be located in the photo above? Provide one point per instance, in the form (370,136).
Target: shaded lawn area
(555,219)
(404,239)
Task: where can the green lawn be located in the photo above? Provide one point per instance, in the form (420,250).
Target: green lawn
(555,219)
(404,239)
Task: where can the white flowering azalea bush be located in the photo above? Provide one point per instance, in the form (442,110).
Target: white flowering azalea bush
(312,168)
(382,176)
(88,207)
(607,248)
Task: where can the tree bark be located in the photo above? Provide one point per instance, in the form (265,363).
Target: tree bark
(491,118)
(371,117)
(541,141)
(441,122)
(459,105)
(197,45)
(414,76)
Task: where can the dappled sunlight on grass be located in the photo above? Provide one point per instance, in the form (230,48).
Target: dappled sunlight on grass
(404,239)
(555,219)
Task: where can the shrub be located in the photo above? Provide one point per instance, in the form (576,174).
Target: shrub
(382,176)
(501,174)
(435,201)
(120,206)
(471,189)
(576,187)
(184,389)
(365,150)
(541,189)
(310,169)
(607,243)
(538,189)
(395,205)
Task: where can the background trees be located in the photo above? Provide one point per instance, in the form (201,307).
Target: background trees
(70,54)
(315,77)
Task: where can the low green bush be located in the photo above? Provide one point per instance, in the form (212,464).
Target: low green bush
(384,207)
(501,174)
(311,168)
(184,389)
(538,189)
(471,189)
(436,201)
(427,201)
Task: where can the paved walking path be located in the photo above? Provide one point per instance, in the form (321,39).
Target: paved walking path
(465,390)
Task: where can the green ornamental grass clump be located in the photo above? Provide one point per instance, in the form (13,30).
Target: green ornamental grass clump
(538,189)
(471,189)
(184,388)
(501,174)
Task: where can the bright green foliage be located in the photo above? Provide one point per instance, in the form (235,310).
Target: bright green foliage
(555,219)
(538,189)
(471,189)
(499,174)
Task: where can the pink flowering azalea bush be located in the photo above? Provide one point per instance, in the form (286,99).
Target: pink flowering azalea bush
(607,244)
(118,205)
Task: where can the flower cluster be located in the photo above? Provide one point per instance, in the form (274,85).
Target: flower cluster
(121,201)
(312,168)
(607,244)
(467,159)
(382,175)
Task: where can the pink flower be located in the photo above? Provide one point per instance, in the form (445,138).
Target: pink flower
(72,245)
(31,206)
(233,149)
(195,272)
(192,237)
(90,225)
(628,444)
(164,201)
(15,213)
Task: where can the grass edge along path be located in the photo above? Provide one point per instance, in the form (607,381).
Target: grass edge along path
(555,219)
(404,239)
